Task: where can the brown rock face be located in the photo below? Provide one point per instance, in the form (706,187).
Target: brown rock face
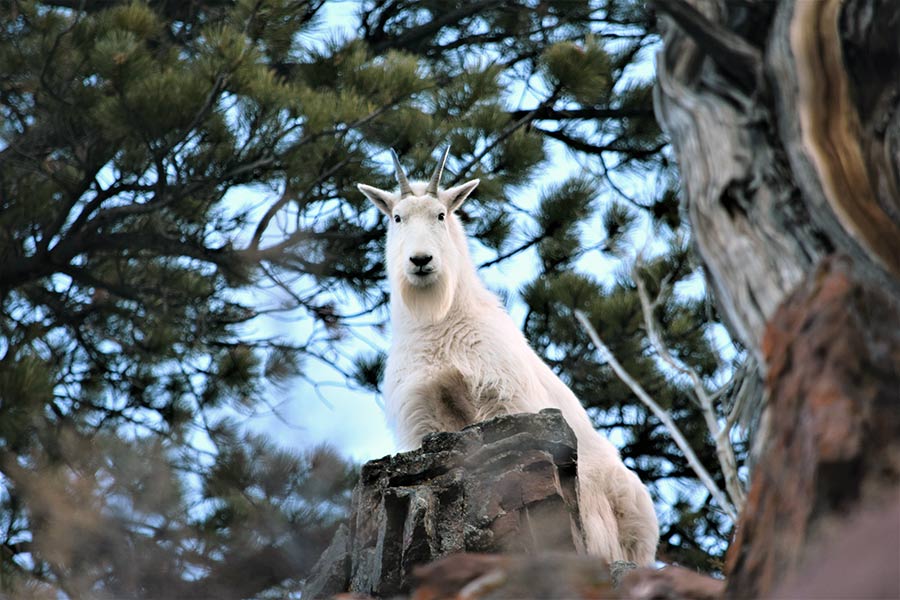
(555,575)
(833,349)
(857,558)
(505,485)
(669,583)
(491,577)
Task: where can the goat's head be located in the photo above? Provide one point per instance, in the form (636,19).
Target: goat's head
(425,245)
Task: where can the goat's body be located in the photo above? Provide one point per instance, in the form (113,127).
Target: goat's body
(475,364)
(457,358)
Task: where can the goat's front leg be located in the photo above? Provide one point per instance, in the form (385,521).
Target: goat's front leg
(440,402)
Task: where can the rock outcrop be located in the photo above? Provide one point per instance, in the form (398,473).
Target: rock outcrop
(507,485)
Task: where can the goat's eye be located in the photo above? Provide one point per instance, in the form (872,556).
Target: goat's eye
(397,218)
(441,217)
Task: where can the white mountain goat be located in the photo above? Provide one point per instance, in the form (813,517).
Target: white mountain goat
(457,358)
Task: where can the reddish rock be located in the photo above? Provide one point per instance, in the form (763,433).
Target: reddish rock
(674,583)
(833,356)
(858,558)
(573,577)
(491,577)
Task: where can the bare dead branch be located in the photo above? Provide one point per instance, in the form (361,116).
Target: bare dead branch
(720,435)
(660,414)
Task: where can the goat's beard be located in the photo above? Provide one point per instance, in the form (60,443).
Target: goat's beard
(430,302)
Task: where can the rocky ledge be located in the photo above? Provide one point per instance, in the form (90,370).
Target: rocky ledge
(507,485)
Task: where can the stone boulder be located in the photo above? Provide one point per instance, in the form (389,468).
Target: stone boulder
(507,485)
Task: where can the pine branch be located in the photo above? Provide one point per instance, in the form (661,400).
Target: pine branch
(410,38)
(592,113)
(588,148)
(517,250)
(287,195)
(505,133)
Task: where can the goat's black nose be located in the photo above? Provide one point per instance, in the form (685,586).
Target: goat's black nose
(421,260)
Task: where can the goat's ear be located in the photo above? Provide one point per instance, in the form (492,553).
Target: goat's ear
(380,198)
(455,196)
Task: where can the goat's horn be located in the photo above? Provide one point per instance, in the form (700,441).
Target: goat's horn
(436,177)
(405,190)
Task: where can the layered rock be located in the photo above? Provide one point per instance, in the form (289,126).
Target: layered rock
(507,485)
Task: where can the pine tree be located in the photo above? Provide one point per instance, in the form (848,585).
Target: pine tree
(132,135)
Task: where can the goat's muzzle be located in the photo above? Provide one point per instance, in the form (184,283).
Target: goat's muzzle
(422,268)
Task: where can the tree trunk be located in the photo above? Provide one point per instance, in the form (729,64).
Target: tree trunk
(784,120)
(788,143)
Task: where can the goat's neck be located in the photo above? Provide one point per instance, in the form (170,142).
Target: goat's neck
(469,293)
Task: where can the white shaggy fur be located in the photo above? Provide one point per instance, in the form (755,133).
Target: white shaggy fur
(457,358)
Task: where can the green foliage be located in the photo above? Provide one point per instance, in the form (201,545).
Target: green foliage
(618,222)
(582,70)
(167,168)
(369,370)
(559,214)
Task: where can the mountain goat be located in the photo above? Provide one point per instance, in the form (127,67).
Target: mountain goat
(457,358)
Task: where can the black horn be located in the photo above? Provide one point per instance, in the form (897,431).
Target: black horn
(405,190)
(436,177)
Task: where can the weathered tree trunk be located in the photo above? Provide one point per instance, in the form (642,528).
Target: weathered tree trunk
(833,350)
(785,121)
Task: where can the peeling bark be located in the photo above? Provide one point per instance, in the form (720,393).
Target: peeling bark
(738,193)
(821,128)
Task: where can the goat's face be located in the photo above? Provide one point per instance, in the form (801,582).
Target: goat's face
(425,245)
(420,249)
